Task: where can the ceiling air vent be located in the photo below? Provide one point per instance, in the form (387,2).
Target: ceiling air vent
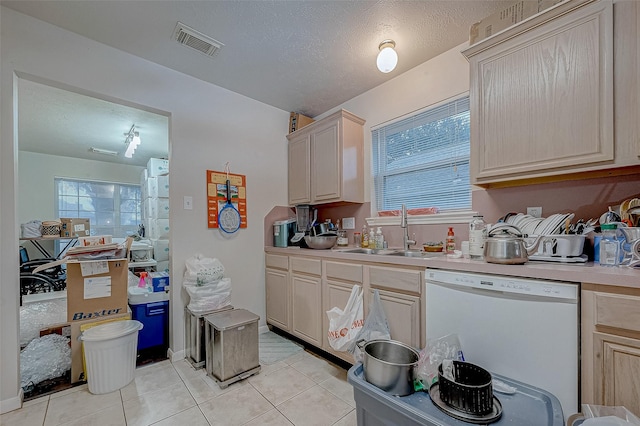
(195,40)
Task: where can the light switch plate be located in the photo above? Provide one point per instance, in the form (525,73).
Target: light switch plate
(188,202)
(348,223)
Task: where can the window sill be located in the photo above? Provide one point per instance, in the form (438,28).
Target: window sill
(429,219)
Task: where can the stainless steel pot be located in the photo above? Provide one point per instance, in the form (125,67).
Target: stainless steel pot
(389,365)
(505,245)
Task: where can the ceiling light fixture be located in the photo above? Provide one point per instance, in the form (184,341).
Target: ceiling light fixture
(387,58)
(132,141)
(102,151)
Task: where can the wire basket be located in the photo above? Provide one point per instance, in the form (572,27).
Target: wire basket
(50,229)
(471,390)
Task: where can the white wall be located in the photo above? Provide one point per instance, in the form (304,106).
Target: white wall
(429,83)
(208,127)
(36,174)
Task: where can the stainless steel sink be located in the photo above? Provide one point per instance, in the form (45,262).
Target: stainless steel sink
(413,253)
(391,252)
(368,251)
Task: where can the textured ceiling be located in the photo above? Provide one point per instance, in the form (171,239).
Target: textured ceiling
(305,56)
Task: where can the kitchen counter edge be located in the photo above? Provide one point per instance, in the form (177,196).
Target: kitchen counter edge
(583,273)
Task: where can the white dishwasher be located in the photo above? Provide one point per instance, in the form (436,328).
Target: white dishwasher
(524,329)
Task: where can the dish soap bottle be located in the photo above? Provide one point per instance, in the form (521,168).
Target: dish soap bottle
(450,245)
(365,237)
(372,239)
(379,238)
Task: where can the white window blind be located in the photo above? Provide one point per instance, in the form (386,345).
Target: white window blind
(112,208)
(423,160)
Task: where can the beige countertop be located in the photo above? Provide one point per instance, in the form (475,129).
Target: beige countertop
(583,273)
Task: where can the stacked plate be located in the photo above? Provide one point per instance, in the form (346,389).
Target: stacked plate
(554,224)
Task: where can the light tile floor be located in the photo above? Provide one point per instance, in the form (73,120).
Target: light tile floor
(301,390)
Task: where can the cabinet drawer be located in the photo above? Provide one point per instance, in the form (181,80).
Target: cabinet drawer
(618,311)
(396,279)
(307,266)
(276,261)
(344,271)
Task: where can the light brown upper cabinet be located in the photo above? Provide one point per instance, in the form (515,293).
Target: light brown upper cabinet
(326,161)
(543,94)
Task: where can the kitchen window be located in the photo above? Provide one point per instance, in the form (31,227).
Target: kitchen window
(112,208)
(422,160)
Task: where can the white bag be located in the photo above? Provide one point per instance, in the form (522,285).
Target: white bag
(344,325)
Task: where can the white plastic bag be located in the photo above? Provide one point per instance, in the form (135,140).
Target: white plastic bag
(209,297)
(203,270)
(344,324)
(376,327)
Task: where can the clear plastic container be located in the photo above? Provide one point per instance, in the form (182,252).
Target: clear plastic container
(343,240)
(609,245)
(477,235)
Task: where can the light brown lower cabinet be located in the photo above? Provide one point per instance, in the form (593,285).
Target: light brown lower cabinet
(611,346)
(301,289)
(306,293)
(277,291)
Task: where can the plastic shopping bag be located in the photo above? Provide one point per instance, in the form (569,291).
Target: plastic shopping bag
(434,353)
(344,324)
(376,327)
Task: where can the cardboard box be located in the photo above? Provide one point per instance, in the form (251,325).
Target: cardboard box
(158,229)
(96,289)
(160,250)
(159,280)
(63,329)
(162,187)
(75,227)
(507,17)
(96,240)
(298,121)
(77,354)
(157,167)
(149,187)
(163,266)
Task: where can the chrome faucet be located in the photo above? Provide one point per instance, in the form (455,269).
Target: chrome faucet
(406,242)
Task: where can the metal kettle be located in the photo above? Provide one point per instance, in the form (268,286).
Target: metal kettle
(505,245)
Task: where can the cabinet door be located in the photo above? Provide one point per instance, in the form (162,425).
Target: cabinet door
(277,295)
(307,320)
(542,101)
(326,166)
(403,315)
(335,294)
(299,170)
(616,371)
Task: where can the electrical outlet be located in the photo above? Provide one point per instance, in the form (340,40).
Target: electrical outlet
(348,223)
(534,211)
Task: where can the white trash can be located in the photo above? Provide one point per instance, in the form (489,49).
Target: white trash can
(110,355)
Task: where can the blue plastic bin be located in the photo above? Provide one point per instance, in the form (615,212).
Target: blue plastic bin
(155,318)
(528,406)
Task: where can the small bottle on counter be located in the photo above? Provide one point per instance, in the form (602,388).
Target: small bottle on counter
(450,245)
(609,245)
(372,239)
(379,239)
(365,237)
(357,239)
(477,235)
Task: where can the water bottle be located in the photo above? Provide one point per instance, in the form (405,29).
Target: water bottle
(609,245)
(477,235)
